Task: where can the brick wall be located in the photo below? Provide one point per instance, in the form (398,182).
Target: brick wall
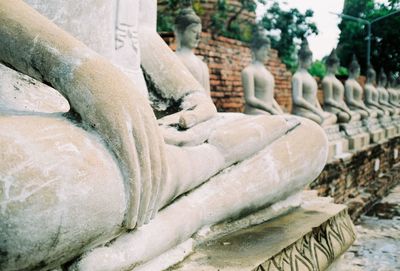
(356,182)
(226,58)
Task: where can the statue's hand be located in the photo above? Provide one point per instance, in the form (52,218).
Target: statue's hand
(125,120)
(196,107)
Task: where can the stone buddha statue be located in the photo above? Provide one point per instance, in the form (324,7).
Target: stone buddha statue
(258,82)
(187,33)
(354,92)
(371,94)
(393,93)
(304,91)
(106,173)
(334,92)
(384,95)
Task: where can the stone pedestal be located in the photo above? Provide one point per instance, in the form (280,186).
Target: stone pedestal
(338,143)
(378,134)
(389,127)
(358,138)
(310,237)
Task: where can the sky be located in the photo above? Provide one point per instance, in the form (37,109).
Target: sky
(327,23)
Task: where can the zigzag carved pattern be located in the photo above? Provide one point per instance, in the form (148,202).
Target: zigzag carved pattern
(316,250)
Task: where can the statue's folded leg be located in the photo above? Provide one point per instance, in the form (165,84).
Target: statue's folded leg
(61,192)
(269,176)
(229,143)
(307,114)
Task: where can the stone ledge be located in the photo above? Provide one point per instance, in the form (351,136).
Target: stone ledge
(308,238)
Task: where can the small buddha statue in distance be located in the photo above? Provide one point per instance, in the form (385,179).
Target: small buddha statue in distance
(304,91)
(187,32)
(258,82)
(334,92)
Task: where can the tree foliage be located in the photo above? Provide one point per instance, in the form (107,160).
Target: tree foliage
(293,26)
(385,42)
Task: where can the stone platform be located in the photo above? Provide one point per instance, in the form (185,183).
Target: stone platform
(373,126)
(309,237)
(357,136)
(338,142)
(389,126)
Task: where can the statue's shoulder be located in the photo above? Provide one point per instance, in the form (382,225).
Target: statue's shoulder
(248,70)
(297,76)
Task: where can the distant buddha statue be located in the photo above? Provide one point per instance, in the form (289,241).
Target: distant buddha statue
(334,92)
(304,91)
(187,32)
(354,92)
(258,82)
(393,93)
(371,94)
(384,94)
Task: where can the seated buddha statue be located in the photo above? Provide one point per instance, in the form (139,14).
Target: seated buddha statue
(371,94)
(394,97)
(334,92)
(103,173)
(304,91)
(354,92)
(258,82)
(188,32)
(384,95)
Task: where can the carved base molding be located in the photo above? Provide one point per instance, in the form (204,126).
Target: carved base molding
(310,237)
(318,249)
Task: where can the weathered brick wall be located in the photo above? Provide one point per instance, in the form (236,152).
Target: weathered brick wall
(226,58)
(356,182)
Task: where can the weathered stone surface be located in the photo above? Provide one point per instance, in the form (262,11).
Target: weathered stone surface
(61,192)
(308,238)
(19,92)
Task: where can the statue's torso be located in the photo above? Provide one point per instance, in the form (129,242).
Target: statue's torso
(337,88)
(371,94)
(309,87)
(383,94)
(356,89)
(264,84)
(393,95)
(196,66)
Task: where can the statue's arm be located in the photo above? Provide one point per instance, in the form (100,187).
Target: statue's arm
(249,93)
(298,100)
(105,99)
(277,106)
(171,80)
(206,79)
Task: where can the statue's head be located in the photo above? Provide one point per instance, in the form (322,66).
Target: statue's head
(382,80)
(371,75)
(333,62)
(188,28)
(305,55)
(354,68)
(260,46)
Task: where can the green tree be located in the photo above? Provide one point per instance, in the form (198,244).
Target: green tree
(293,27)
(318,69)
(385,41)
